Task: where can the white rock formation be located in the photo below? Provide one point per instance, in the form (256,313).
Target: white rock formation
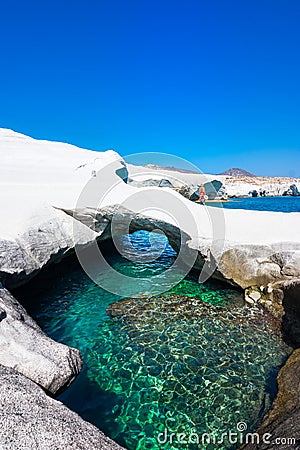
(25,348)
(31,420)
(234,186)
(37,177)
(272,186)
(140,173)
(43,183)
(34,174)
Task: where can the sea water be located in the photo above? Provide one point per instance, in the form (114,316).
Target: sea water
(193,360)
(278,204)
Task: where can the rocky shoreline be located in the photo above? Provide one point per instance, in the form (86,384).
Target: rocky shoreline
(283,421)
(262,186)
(28,352)
(35,234)
(31,419)
(33,369)
(220,186)
(26,349)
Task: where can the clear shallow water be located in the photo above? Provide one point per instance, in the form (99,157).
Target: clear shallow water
(194,359)
(283,204)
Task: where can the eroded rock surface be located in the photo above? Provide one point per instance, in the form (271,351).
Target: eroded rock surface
(46,237)
(25,348)
(244,265)
(34,234)
(30,420)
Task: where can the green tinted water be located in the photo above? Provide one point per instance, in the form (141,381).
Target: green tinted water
(168,363)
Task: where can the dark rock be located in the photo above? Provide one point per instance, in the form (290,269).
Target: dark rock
(194,196)
(292,191)
(122,172)
(190,192)
(2,313)
(165,183)
(215,190)
(291,320)
(283,422)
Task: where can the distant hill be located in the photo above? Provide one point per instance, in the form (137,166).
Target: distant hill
(233,172)
(175,169)
(236,172)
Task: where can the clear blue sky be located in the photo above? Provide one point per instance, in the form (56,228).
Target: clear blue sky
(215,82)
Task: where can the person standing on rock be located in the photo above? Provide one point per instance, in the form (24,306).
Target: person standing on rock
(202,194)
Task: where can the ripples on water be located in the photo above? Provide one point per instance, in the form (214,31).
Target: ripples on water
(169,362)
(278,204)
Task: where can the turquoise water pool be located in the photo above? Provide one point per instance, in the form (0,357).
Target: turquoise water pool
(194,359)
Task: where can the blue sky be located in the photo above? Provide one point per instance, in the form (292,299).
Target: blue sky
(214,82)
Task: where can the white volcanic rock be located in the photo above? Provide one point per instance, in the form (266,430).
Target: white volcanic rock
(186,184)
(30,420)
(272,186)
(178,179)
(234,185)
(25,348)
(36,173)
(43,183)
(238,261)
(54,175)
(37,177)
(47,234)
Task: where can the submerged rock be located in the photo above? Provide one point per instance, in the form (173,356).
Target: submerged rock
(32,420)
(163,308)
(213,365)
(34,234)
(25,348)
